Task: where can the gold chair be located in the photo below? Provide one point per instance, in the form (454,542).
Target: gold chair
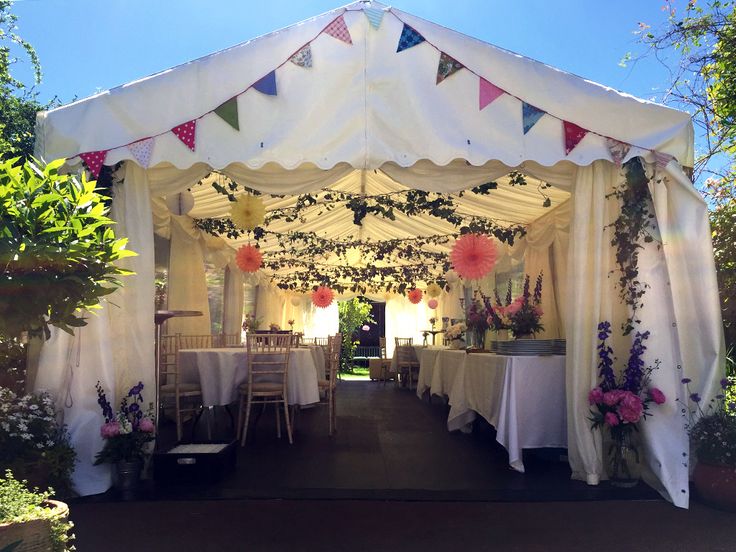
(231,340)
(385,361)
(187,397)
(407,362)
(268,368)
(329,386)
(205,341)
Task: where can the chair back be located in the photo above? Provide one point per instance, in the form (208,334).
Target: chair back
(382,347)
(231,340)
(268,357)
(296,340)
(405,352)
(205,341)
(333,358)
(403,341)
(169,358)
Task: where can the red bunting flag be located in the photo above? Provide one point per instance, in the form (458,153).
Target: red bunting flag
(339,30)
(487,93)
(618,150)
(186,133)
(94,161)
(573,135)
(662,159)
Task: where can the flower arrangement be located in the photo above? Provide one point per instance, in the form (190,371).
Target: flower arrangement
(274,327)
(126,431)
(521,315)
(432,322)
(248,212)
(712,428)
(32,443)
(456,331)
(248,258)
(291,324)
(251,323)
(473,256)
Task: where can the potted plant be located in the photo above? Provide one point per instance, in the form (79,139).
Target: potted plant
(126,434)
(712,432)
(30,520)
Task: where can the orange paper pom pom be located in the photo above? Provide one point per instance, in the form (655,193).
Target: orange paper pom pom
(322,297)
(248,258)
(473,256)
(415,295)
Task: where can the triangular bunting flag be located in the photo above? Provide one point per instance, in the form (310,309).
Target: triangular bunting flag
(662,159)
(573,135)
(303,58)
(618,150)
(142,151)
(409,38)
(374,15)
(267,85)
(447,66)
(186,133)
(94,161)
(487,92)
(339,30)
(228,112)
(530,115)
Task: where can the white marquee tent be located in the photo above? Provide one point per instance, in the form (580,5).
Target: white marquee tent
(358,115)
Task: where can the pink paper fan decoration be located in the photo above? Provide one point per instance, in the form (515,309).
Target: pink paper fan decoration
(432,303)
(415,295)
(473,256)
(322,297)
(248,258)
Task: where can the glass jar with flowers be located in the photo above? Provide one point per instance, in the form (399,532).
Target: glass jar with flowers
(126,434)
(619,404)
(477,323)
(454,336)
(712,430)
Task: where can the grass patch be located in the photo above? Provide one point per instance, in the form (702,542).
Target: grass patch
(359,372)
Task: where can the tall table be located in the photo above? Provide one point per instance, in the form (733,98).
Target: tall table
(523,397)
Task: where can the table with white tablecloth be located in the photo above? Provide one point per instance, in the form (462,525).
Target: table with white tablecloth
(523,397)
(220,371)
(437,370)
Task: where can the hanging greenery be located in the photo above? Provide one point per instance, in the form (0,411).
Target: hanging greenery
(634,226)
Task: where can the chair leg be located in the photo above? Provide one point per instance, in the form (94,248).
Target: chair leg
(179,429)
(241,412)
(247,419)
(288,423)
(278,420)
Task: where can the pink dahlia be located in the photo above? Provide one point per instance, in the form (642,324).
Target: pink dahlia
(415,295)
(248,258)
(657,395)
(612,398)
(630,408)
(110,429)
(322,297)
(595,396)
(611,419)
(473,256)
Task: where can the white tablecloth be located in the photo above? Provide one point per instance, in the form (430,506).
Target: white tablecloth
(438,369)
(523,397)
(221,371)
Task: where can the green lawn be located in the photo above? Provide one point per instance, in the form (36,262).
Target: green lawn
(359,372)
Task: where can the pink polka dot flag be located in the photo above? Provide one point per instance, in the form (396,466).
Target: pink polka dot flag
(141,151)
(94,161)
(186,132)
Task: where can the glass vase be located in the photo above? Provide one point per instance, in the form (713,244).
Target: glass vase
(622,459)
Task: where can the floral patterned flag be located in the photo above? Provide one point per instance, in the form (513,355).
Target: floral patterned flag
(662,159)
(186,133)
(487,93)
(142,151)
(447,66)
(374,15)
(228,112)
(267,85)
(94,161)
(339,30)
(618,150)
(573,135)
(408,39)
(530,115)
(303,58)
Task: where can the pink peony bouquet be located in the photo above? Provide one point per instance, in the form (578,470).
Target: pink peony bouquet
(620,404)
(522,315)
(126,431)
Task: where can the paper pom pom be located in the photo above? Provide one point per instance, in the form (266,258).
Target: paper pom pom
(433,290)
(295,301)
(473,256)
(415,295)
(432,303)
(451,277)
(322,297)
(247,212)
(248,258)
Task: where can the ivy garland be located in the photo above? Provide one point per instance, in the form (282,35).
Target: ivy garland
(634,225)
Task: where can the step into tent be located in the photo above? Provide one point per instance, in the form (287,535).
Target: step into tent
(369,98)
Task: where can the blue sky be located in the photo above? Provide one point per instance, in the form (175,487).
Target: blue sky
(90,45)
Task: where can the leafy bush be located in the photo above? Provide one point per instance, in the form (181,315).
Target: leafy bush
(352,314)
(19,504)
(712,428)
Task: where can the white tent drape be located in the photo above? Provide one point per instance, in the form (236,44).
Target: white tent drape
(233,300)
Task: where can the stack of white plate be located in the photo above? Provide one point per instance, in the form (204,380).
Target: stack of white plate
(532,347)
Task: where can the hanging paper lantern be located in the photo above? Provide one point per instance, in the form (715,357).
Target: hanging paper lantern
(248,258)
(296,301)
(451,277)
(432,303)
(415,295)
(433,290)
(247,212)
(322,297)
(473,256)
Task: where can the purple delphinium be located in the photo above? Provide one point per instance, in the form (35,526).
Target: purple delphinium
(605,362)
(635,367)
(526,287)
(538,289)
(104,404)
(508,293)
